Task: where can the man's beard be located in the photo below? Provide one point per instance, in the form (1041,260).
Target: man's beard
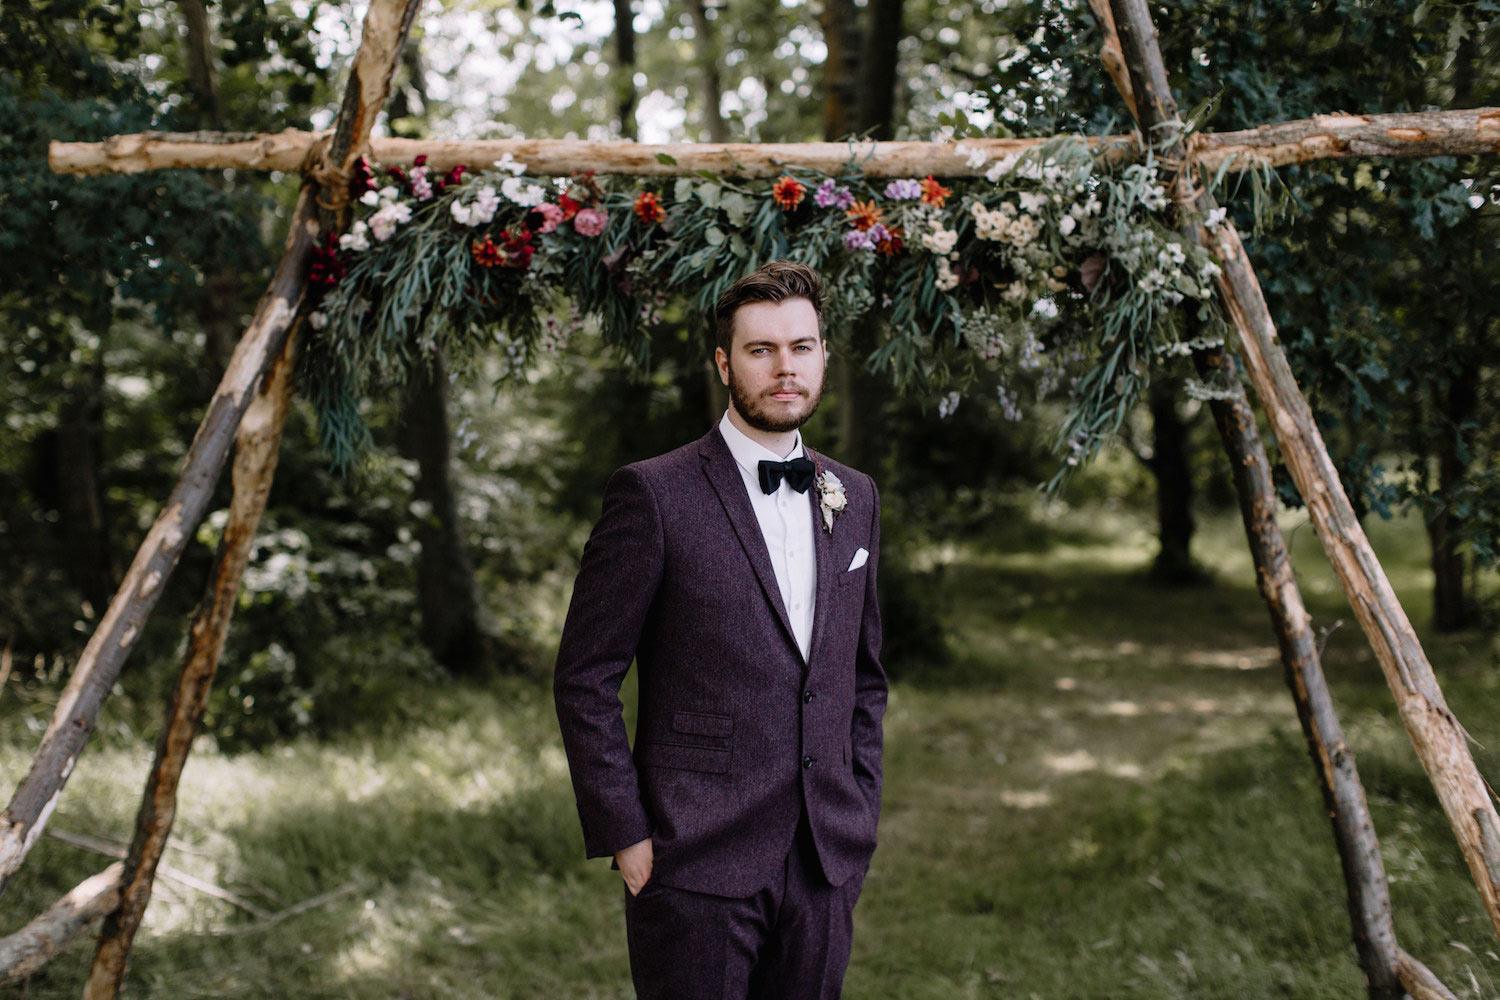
(762,419)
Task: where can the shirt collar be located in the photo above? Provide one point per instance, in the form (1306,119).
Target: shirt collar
(748,452)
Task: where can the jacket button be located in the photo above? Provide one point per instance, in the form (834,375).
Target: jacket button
(807,696)
(807,762)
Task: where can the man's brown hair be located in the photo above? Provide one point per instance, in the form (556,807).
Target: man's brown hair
(773,281)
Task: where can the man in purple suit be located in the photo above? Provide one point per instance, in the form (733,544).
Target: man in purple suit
(739,572)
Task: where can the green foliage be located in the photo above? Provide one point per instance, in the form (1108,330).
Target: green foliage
(1056,264)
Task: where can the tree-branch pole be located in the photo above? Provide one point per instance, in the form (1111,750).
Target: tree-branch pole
(256,450)
(27,950)
(1367,890)
(1439,739)
(385,28)
(1322,137)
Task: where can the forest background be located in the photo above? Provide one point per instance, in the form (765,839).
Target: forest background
(396,630)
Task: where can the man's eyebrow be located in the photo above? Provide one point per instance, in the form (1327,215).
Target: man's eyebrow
(772,343)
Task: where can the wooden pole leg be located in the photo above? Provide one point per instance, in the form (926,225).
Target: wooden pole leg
(1440,742)
(257,447)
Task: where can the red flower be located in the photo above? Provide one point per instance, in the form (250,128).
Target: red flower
(362,178)
(569,206)
(891,244)
(514,250)
(934,193)
(327,268)
(420,160)
(485,253)
(456,175)
(787,192)
(518,248)
(648,208)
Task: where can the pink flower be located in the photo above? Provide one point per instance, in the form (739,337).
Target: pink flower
(552,216)
(589,221)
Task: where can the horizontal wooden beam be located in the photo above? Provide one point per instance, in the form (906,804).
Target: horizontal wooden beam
(1321,137)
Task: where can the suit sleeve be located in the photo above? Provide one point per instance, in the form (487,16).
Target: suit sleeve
(617,582)
(866,737)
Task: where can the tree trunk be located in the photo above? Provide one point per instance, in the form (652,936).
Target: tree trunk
(446,591)
(841,38)
(706,45)
(1453,606)
(625,68)
(878,90)
(1171,469)
(202,79)
(77,456)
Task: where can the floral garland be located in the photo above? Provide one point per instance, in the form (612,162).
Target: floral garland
(1057,273)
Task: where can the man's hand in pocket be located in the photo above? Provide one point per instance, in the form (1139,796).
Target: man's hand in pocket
(635,865)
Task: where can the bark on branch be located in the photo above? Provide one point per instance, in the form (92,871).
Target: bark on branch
(1322,137)
(33,946)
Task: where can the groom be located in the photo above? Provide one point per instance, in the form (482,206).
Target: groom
(739,572)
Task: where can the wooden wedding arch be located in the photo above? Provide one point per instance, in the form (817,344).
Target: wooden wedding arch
(249,409)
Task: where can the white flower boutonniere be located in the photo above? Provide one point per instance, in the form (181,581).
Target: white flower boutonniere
(831,498)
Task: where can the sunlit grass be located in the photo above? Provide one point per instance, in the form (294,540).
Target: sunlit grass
(1104,795)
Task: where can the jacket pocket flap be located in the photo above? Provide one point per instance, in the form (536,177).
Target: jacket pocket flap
(689,758)
(702,723)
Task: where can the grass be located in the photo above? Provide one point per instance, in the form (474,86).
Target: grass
(1104,795)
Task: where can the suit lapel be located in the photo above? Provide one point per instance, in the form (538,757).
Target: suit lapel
(823,545)
(720,468)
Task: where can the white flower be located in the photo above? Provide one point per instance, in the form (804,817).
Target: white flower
(831,497)
(1001,167)
(1476,201)
(972,156)
(384,222)
(947,405)
(508,164)
(317,319)
(482,209)
(1032,202)
(940,240)
(945,279)
(1215,216)
(522,193)
(389,193)
(357,238)
(1067,225)
(1045,308)
(370,197)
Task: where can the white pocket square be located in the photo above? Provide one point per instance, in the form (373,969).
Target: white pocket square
(859,560)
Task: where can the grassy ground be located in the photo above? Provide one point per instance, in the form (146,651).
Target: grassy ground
(1105,795)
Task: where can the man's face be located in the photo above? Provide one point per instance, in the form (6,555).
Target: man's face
(775,366)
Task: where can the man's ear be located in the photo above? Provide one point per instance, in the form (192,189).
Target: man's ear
(720,360)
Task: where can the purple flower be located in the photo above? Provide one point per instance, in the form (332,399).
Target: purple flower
(860,239)
(831,195)
(904,190)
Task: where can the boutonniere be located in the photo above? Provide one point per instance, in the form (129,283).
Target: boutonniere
(831,498)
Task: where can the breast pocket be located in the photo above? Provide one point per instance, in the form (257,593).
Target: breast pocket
(849,577)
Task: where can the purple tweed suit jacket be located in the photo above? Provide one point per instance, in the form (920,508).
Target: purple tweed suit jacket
(735,730)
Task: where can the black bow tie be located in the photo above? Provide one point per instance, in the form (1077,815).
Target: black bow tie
(798,472)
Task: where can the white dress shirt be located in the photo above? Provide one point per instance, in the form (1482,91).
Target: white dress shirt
(785,518)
